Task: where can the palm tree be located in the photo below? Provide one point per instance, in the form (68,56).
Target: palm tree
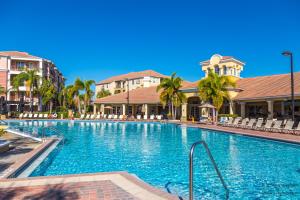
(171,93)
(77,87)
(31,82)
(48,93)
(63,97)
(88,93)
(214,89)
(2,90)
(103,93)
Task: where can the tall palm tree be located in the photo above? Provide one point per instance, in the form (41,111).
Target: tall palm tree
(31,82)
(103,93)
(171,93)
(77,87)
(214,89)
(48,93)
(62,97)
(89,93)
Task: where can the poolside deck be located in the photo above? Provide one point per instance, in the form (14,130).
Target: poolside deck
(253,133)
(19,148)
(100,186)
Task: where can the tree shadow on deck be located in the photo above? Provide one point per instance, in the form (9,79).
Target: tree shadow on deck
(56,192)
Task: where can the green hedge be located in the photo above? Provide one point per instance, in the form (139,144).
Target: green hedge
(227,115)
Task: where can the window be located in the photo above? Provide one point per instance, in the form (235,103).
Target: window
(137,81)
(20,64)
(217,69)
(132,82)
(224,70)
(234,71)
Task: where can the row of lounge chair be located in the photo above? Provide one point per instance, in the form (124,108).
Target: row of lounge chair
(271,125)
(37,116)
(118,117)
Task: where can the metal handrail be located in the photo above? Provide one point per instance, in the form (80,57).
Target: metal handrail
(191,175)
(3,122)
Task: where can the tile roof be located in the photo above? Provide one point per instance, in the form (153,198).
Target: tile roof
(223,58)
(18,54)
(267,86)
(263,87)
(133,75)
(137,96)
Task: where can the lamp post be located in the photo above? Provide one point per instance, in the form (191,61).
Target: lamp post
(127,107)
(290,54)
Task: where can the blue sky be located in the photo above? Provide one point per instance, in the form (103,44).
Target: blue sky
(98,39)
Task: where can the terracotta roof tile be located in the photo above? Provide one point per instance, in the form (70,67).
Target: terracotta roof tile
(267,86)
(133,75)
(137,96)
(263,86)
(18,54)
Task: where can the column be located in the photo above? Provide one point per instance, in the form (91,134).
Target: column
(102,108)
(184,112)
(270,109)
(95,109)
(231,107)
(123,109)
(146,109)
(282,108)
(243,109)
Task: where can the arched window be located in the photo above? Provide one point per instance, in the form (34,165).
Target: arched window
(217,69)
(224,70)
(234,71)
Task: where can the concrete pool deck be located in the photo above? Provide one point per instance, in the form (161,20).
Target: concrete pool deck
(102,186)
(19,148)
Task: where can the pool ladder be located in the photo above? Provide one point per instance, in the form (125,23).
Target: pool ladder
(191,174)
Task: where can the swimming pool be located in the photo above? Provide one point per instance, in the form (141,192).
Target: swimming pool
(158,154)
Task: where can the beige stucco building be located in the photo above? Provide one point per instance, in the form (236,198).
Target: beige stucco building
(264,96)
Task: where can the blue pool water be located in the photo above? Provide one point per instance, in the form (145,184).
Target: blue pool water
(158,154)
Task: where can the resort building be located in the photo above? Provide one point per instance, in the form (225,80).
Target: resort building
(13,63)
(130,81)
(265,96)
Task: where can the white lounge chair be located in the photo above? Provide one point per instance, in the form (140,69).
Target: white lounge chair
(243,124)
(25,115)
(277,126)
(41,115)
(268,125)
(138,117)
(145,117)
(109,116)
(21,115)
(236,122)
(104,116)
(35,115)
(159,117)
(229,122)
(288,127)
(88,116)
(82,116)
(250,124)
(258,124)
(46,116)
(116,116)
(297,129)
(152,117)
(30,115)
(92,116)
(98,116)
(121,117)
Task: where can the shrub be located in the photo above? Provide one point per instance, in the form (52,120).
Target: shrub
(2,132)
